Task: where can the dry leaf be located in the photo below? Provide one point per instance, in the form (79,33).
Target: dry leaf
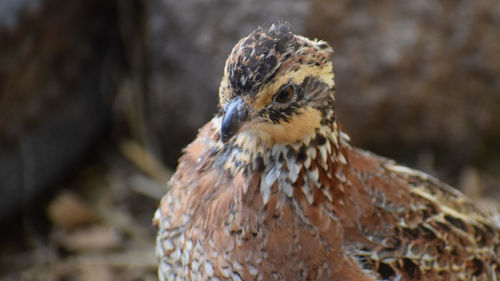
(68,210)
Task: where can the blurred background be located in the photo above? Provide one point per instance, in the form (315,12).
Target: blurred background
(97,99)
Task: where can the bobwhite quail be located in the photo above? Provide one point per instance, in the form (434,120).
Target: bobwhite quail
(271,189)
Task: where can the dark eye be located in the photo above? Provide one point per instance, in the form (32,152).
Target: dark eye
(284,94)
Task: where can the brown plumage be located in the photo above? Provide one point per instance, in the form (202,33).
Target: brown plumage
(271,189)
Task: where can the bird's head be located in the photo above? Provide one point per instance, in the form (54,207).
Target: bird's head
(277,87)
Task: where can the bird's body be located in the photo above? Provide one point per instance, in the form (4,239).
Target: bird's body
(271,189)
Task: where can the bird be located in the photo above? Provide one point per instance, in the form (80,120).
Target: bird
(272,189)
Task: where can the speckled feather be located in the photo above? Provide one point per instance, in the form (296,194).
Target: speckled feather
(286,199)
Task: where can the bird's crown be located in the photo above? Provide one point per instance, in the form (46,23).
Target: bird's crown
(277,87)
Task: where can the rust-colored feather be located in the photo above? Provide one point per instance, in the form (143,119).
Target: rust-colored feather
(304,204)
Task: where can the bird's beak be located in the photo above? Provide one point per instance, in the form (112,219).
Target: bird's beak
(236,112)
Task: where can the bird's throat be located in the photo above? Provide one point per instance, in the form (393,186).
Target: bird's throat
(317,161)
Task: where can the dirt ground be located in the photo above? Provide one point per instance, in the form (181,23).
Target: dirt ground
(98,225)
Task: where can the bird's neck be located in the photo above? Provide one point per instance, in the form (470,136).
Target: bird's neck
(315,162)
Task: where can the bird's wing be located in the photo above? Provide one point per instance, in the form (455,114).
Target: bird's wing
(423,229)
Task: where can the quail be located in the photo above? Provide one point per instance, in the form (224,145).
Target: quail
(271,188)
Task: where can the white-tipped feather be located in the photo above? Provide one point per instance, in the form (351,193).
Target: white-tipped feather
(323,161)
(306,189)
(341,158)
(307,162)
(312,152)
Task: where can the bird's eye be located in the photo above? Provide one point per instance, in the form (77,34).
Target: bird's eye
(285,94)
